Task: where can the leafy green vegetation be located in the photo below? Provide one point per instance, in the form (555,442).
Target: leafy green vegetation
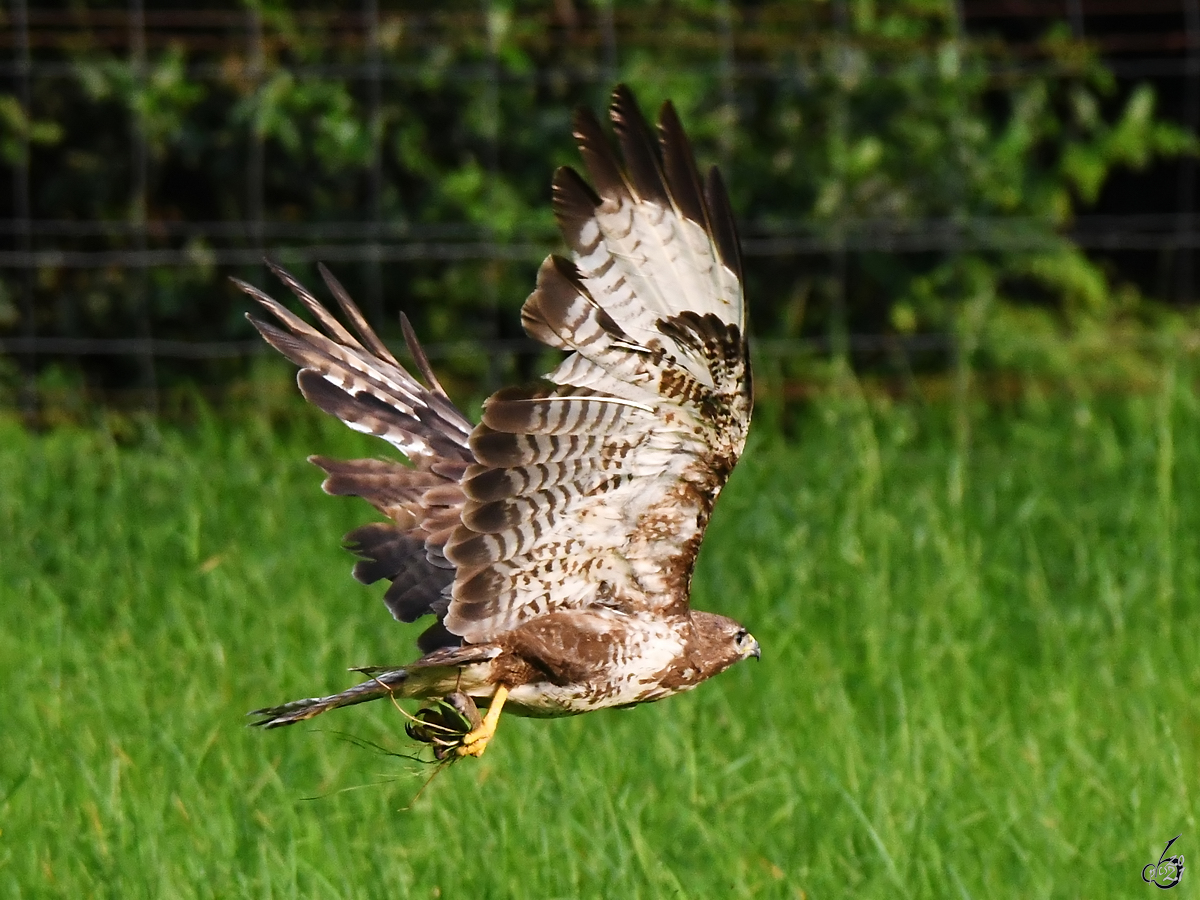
(978,680)
(893,175)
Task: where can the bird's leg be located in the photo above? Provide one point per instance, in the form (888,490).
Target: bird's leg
(476,741)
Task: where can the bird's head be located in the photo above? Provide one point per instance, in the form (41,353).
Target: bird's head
(719,642)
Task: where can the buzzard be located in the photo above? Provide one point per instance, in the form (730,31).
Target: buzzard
(554,542)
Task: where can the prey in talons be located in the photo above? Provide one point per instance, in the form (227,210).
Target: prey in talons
(445,724)
(453,726)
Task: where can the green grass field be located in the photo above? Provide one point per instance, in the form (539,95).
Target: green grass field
(980,677)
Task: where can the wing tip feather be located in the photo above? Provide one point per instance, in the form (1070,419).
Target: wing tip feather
(724,226)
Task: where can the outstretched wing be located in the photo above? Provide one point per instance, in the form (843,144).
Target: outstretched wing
(596,490)
(358,380)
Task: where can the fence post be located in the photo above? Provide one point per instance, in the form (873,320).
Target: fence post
(140,164)
(1185,288)
(491,164)
(256,167)
(375,123)
(1075,18)
(728,88)
(839,325)
(608,32)
(24,225)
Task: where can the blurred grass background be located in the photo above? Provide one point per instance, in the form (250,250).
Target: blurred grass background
(978,677)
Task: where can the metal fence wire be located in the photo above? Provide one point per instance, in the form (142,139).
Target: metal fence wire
(61,262)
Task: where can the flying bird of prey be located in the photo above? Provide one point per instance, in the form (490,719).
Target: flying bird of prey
(554,542)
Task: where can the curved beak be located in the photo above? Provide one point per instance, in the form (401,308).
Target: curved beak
(755,650)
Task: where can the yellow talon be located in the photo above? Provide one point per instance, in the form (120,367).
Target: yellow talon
(476,741)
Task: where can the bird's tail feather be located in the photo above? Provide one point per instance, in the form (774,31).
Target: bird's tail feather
(384,683)
(433,675)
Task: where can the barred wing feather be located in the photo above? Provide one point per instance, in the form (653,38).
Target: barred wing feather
(358,380)
(597,489)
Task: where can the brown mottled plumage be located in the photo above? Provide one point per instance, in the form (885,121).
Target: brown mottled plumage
(555,541)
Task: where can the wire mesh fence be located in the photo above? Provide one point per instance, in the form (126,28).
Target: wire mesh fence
(119,104)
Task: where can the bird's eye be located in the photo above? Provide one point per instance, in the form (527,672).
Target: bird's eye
(740,637)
